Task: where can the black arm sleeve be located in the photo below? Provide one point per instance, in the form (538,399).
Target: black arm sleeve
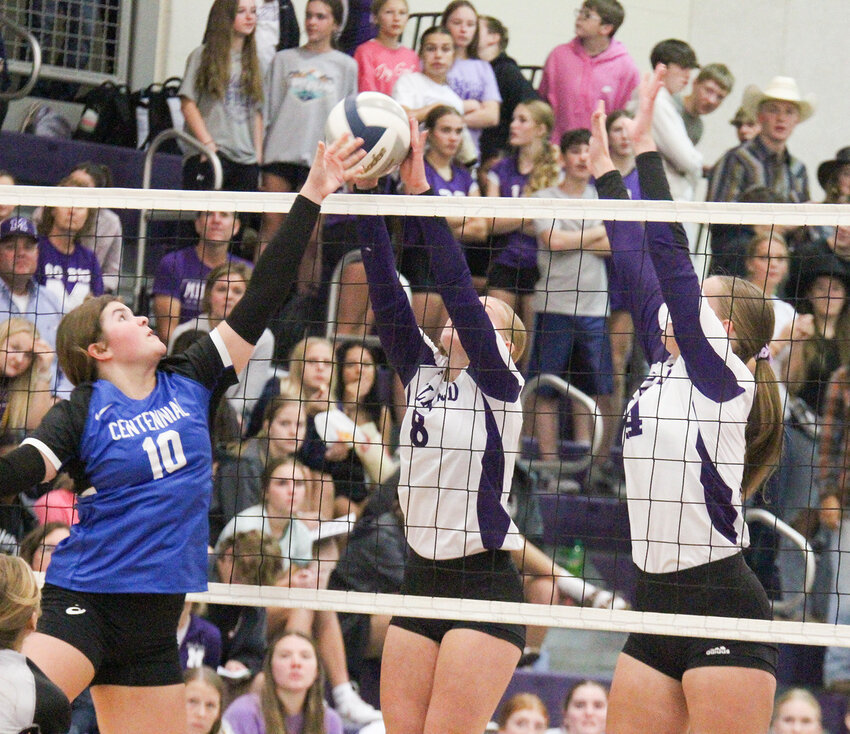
(275,272)
(20,470)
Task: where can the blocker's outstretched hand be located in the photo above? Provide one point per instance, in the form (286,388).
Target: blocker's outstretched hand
(412,168)
(600,156)
(640,129)
(333,166)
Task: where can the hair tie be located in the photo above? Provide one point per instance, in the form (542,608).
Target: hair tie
(764,352)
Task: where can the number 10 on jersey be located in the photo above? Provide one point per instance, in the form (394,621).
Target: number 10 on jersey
(165,454)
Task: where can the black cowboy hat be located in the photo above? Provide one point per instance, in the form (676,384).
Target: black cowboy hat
(828,169)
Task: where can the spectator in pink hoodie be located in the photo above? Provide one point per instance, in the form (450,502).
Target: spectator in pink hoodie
(591,67)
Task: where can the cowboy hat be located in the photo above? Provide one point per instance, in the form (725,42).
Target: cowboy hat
(782,88)
(828,169)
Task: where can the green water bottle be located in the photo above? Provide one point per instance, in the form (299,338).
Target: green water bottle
(575,559)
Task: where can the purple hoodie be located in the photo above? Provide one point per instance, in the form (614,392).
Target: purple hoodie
(574,82)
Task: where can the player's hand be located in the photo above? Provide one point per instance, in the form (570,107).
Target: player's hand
(830,512)
(600,157)
(333,165)
(640,129)
(412,169)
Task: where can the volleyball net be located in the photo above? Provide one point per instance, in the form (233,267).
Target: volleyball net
(568,497)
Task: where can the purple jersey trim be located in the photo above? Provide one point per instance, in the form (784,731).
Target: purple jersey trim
(493,520)
(718,495)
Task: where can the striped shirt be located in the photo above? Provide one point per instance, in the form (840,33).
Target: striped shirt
(753,164)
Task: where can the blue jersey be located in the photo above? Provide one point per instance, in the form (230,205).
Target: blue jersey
(143,469)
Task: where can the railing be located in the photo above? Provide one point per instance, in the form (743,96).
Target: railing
(420,22)
(35,66)
(569,467)
(144,214)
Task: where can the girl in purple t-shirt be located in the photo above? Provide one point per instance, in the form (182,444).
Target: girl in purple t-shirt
(533,166)
(382,60)
(448,178)
(472,79)
(66,268)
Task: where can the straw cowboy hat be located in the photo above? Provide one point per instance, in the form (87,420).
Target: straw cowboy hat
(782,88)
(828,169)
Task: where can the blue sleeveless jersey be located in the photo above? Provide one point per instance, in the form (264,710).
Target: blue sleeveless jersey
(143,469)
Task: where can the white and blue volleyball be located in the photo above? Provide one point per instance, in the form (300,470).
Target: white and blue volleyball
(380,121)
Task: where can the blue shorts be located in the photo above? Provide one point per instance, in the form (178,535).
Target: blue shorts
(576,348)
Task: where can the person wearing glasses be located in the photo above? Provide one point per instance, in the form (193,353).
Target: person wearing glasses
(591,67)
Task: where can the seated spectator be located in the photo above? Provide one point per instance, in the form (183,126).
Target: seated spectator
(448,178)
(522,713)
(820,337)
(25,376)
(358,26)
(682,161)
(533,166)
(199,640)
(20,293)
(221,97)
(106,239)
(796,711)
(765,160)
(31,702)
(834,178)
(746,124)
(180,282)
(59,504)
(729,242)
(571,304)
(204,698)
(513,86)
(382,60)
(591,67)
(247,558)
(38,546)
(292,697)
(472,78)
(585,709)
(66,268)
(237,483)
(224,288)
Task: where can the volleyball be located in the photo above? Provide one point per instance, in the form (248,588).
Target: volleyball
(380,121)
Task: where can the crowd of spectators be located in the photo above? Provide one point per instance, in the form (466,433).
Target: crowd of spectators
(307,436)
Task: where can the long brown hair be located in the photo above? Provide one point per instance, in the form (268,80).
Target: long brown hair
(48,216)
(521,702)
(274,714)
(22,386)
(214,71)
(211,678)
(752,315)
(472,49)
(545,169)
(80,328)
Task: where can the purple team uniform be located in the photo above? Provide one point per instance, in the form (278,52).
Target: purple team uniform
(618,300)
(182,275)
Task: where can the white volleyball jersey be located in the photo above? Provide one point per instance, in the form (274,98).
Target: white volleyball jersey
(458,448)
(683,449)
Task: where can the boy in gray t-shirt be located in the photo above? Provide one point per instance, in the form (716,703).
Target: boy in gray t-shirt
(571,301)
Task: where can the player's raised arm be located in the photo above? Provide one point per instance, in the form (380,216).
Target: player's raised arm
(277,268)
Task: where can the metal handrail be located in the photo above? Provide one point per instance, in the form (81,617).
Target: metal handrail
(155,145)
(36,60)
(795,600)
(415,20)
(574,466)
